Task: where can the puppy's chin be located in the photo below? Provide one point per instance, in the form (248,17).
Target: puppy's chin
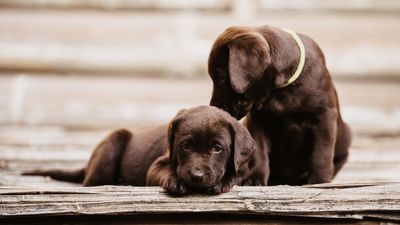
(241,114)
(207,183)
(198,185)
(238,113)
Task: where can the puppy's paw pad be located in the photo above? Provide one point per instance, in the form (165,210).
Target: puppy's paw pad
(220,188)
(226,188)
(174,186)
(247,182)
(217,189)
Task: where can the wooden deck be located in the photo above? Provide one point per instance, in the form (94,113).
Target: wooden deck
(373,158)
(359,201)
(46,133)
(58,66)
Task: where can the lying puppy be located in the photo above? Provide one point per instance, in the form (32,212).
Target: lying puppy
(209,150)
(280,81)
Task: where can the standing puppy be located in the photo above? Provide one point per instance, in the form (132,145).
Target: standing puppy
(280,81)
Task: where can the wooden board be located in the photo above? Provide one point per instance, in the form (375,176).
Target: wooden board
(358,201)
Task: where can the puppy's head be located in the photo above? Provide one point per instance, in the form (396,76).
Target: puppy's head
(206,144)
(238,59)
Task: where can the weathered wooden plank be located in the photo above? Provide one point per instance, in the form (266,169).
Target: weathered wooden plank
(73,153)
(10,175)
(155,5)
(368,200)
(123,42)
(267,5)
(48,100)
(189,218)
(54,136)
(332,6)
(16,180)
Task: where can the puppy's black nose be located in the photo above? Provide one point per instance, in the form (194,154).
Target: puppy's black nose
(197,175)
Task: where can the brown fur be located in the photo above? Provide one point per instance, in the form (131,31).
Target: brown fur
(299,126)
(125,156)
(122,158)
(210,151)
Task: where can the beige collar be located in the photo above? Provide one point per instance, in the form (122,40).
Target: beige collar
(302,60)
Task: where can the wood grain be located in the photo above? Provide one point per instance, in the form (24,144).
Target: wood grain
(357,201)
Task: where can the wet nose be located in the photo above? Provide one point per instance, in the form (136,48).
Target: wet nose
(197,174)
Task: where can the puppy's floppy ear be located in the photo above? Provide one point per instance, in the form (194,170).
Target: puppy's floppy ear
(171,133)
(248,59)
(243,145)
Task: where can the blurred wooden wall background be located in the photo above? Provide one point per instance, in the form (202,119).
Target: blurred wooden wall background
(88,63)
(72,70)
(173,37)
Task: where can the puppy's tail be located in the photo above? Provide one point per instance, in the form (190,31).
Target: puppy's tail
(75,176)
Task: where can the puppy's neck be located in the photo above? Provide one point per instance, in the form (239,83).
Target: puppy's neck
(285,55)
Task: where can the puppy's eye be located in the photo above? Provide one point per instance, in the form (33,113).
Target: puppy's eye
(186,145)
(217,148)
(219,77)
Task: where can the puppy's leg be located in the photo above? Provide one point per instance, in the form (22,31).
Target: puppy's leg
(259,166)
(259,177)
(104,165)
(255,172)
(259,174)
(224,185)
(343,142)
(163,173)
(321,163)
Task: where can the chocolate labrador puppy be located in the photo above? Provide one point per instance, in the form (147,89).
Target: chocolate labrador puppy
(280,81)
(209,151)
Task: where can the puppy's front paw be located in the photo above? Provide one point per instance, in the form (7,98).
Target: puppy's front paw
(255,182)
(174,186)
(318,179)
(221,187)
